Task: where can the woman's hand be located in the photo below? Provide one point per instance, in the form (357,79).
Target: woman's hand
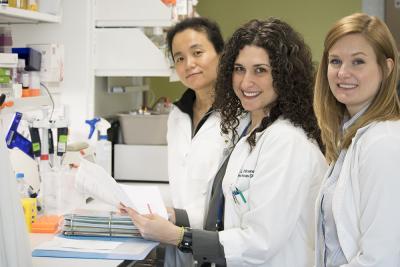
(171,215)
(153,226)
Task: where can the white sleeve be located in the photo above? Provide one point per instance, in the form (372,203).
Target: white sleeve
(379,178)
(277,196)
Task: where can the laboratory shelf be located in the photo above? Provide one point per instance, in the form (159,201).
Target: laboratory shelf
(26,104)
(133,23)
(11,15)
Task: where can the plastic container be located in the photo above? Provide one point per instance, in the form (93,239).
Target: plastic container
(26,92)
(103,153)
(32,5)
(144,129)
(12,3)
(23,4)
(30,211)
(34,83)
(20,70)
(22,185)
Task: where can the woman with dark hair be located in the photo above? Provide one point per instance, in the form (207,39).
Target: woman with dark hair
(358,110)
(274,171)
(196,147)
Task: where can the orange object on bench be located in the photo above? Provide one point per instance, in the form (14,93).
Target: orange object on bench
(46,224)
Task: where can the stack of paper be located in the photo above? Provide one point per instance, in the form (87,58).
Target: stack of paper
(97,223)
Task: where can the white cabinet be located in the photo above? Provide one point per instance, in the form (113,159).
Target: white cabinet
(121,47)
(127,52)
(131,13)
(94,52)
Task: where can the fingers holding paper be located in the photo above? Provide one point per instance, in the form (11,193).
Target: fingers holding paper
(153,226)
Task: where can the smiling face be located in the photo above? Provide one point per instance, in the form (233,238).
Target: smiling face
(195,59)
(354,75)
(252,81)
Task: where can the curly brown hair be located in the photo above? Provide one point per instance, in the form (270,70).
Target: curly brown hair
(292,73)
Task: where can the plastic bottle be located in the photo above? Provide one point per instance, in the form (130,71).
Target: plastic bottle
(103,146)
(22,185)
(32,5)
(23,4)
(12,3)
(182,9)
(158,37)
(34,83)
(20,70)
(25,85)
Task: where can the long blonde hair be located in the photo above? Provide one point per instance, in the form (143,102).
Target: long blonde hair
(384,106)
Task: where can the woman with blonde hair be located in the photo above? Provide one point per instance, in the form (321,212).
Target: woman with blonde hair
(358,111)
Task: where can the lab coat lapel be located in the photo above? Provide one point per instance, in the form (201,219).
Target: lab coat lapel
(236,161)
(210,122)
(346,215)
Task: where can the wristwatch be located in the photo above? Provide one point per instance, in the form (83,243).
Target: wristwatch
(186,243)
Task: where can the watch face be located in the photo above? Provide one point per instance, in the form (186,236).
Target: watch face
(186,244)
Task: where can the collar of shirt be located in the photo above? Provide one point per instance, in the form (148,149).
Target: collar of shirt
(347,121)
(185,104)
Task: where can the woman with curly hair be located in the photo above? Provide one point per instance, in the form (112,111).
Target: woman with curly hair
(274,171)
(358,110)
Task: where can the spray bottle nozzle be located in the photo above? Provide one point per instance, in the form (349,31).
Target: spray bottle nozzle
(101,125)
(92,123)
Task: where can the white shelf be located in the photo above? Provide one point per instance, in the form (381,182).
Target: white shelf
(10,15)
(132,73)
(132,23)
(27,104)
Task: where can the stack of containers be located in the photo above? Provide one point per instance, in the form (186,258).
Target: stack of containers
(29,64)
(8,64)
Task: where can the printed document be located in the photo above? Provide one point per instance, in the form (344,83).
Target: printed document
(93,180)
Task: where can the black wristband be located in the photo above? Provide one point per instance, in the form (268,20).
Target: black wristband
(186,244)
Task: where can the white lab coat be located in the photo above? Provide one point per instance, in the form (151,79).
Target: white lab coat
(192,165)
(365,203)
(275,228)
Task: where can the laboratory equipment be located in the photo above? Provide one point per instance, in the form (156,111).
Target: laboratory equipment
(102,146)
(15,139)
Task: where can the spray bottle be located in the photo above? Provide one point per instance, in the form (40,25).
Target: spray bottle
(103,146)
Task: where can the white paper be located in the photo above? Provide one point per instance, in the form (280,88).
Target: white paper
(93,180)
(147,199)
(65,244)
(134,246)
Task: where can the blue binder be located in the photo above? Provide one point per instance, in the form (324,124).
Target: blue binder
(125,251)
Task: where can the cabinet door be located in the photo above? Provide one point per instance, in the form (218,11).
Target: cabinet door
(131,13)
(127,52)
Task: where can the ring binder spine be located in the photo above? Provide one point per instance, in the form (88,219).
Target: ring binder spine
(109,223)
(72,224)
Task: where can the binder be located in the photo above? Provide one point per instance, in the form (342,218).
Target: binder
(98,223)
(130,249)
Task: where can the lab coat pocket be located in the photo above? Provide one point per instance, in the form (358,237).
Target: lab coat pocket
(240,199)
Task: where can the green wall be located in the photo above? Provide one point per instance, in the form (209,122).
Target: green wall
(312,18)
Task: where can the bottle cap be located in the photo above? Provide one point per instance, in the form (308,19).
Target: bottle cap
(19,175)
